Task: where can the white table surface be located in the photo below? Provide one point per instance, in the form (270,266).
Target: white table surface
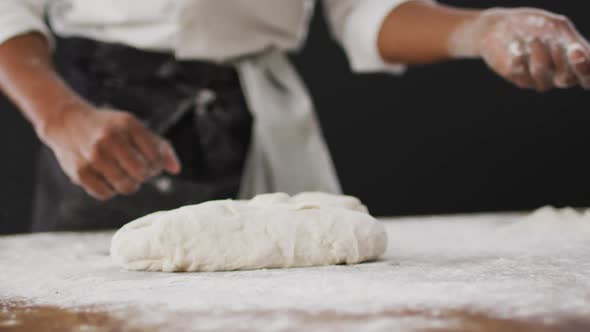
(489,264)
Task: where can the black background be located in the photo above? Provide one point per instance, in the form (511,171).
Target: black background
(442,138)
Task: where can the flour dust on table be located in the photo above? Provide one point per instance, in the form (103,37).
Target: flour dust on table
(510,266)
(565,222)
(269,231)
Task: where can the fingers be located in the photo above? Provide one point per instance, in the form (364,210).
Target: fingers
(548,64)
(93,183)
(171,161)
(159,152)
(577,52)
(579,60)
(121,156)
(538,50)
(129,159)
(111,153)
(518,66)
(114,174)
(541,66)
(564,74)
(116,161)
(147,144)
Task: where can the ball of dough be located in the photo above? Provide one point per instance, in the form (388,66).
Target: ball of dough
(269,231)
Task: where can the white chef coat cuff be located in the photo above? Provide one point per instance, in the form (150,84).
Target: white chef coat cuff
(19,22)
(361,33)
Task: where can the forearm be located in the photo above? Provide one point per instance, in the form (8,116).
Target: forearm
(421,32)
(28,78)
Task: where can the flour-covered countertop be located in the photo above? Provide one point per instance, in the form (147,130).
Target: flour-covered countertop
(503,266)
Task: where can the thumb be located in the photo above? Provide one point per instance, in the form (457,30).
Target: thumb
(171,163)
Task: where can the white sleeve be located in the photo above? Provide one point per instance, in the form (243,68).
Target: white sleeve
(356,25)
(18,17)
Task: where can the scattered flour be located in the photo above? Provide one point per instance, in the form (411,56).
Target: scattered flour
(505,265)
(550,221)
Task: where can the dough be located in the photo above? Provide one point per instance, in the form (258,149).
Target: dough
(269,231)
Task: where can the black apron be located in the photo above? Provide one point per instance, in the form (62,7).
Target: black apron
(199,107)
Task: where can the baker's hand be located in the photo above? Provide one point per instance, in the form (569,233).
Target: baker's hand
(107,152)
(531,48)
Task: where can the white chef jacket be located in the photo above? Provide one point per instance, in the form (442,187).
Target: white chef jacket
(287,152)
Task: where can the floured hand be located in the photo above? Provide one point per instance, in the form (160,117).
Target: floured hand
(532,48)
(107,152)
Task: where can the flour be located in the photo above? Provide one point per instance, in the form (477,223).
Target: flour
(501,265)
(270,231)
(554,223)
